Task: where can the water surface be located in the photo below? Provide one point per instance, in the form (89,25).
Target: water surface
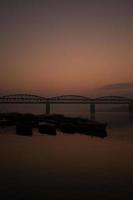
(68,166)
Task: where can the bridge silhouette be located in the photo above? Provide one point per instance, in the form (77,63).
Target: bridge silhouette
(67,99)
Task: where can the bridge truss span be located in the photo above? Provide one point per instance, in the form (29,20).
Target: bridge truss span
(66,99)
(22,99)
(112,100)
(74,99)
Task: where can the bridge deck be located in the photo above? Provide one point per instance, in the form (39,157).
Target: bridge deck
(66,99)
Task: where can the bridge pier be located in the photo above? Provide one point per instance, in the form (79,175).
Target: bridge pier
(47,108)
(92,111)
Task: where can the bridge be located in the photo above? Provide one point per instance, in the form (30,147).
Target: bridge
(67,99)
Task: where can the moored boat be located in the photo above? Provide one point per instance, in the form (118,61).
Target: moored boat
(91,126)
(68,127)
(24,128)
(47,128)
(5,122)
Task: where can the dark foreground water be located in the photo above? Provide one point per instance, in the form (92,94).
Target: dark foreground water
(68,166)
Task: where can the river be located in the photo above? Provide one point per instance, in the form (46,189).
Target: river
(69,166)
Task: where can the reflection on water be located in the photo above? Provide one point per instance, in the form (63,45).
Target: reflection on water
(68,166)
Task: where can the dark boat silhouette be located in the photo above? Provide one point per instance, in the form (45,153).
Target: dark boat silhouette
(101,134)
(47,128)
(91,126)
(86,128)
(5,122)
(24,128)
(48,124)
(67,127)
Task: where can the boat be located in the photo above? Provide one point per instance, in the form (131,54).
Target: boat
(93,129)
(5,122)
(67,127)
(24,128)
(47,128)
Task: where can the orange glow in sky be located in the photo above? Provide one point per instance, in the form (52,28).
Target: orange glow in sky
(61,48)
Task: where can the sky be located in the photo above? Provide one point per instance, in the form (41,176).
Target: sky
(55,47)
